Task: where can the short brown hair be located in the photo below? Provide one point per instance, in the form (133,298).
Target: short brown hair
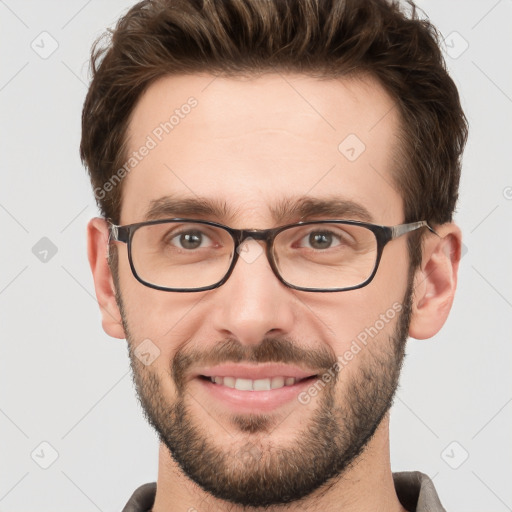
(323,38)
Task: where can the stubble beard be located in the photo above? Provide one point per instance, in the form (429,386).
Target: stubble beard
(255,472)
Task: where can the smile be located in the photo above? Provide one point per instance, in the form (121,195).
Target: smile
(254,385)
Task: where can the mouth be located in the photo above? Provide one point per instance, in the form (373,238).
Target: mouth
(268,384)
(254,388)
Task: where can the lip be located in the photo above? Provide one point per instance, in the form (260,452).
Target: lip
(253,401)
(254,372)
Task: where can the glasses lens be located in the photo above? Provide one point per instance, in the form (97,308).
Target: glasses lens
(325,255)
(181,255)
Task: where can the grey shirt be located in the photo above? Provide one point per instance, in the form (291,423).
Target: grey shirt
(415,491)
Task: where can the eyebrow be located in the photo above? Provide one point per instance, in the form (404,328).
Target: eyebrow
(287,210)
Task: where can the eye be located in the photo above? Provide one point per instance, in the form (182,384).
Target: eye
(190,239)
(321,240)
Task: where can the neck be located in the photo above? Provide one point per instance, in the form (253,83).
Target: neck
(366,485)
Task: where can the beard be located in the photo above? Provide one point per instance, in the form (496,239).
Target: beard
(259,472)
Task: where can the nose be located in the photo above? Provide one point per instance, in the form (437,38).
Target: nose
(253,303)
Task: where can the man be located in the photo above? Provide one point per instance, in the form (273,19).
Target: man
(245,155)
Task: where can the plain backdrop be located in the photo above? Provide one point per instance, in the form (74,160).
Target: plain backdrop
(72,433)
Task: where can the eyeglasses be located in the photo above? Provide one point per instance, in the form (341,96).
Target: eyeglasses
(187,255)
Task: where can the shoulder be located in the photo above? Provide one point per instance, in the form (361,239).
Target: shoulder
(416,492)
(142,499)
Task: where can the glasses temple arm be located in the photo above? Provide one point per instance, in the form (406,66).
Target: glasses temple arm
(402,229)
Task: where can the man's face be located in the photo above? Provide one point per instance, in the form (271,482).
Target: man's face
(253,144)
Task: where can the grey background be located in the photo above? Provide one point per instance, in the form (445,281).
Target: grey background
(63,381)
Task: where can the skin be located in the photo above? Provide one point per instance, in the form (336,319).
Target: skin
(253,142)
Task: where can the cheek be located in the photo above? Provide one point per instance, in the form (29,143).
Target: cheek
(149,313)
(359,327)
(164,321)
(360,316)
(167,323)
(389,285)
(367,351)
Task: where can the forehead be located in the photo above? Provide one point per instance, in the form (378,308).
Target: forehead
(254,144)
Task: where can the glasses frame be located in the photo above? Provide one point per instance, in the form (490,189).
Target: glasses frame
(383,234)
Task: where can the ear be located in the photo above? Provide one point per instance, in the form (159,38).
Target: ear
(435,281)
(97,250)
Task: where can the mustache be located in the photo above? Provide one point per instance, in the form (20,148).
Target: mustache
(270,350)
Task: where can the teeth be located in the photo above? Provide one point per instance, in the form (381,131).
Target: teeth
(277,382)
(261,385)
(243,384)
(228,381)
(254,385)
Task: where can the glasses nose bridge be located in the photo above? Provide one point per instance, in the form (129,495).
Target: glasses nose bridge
(265,235)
